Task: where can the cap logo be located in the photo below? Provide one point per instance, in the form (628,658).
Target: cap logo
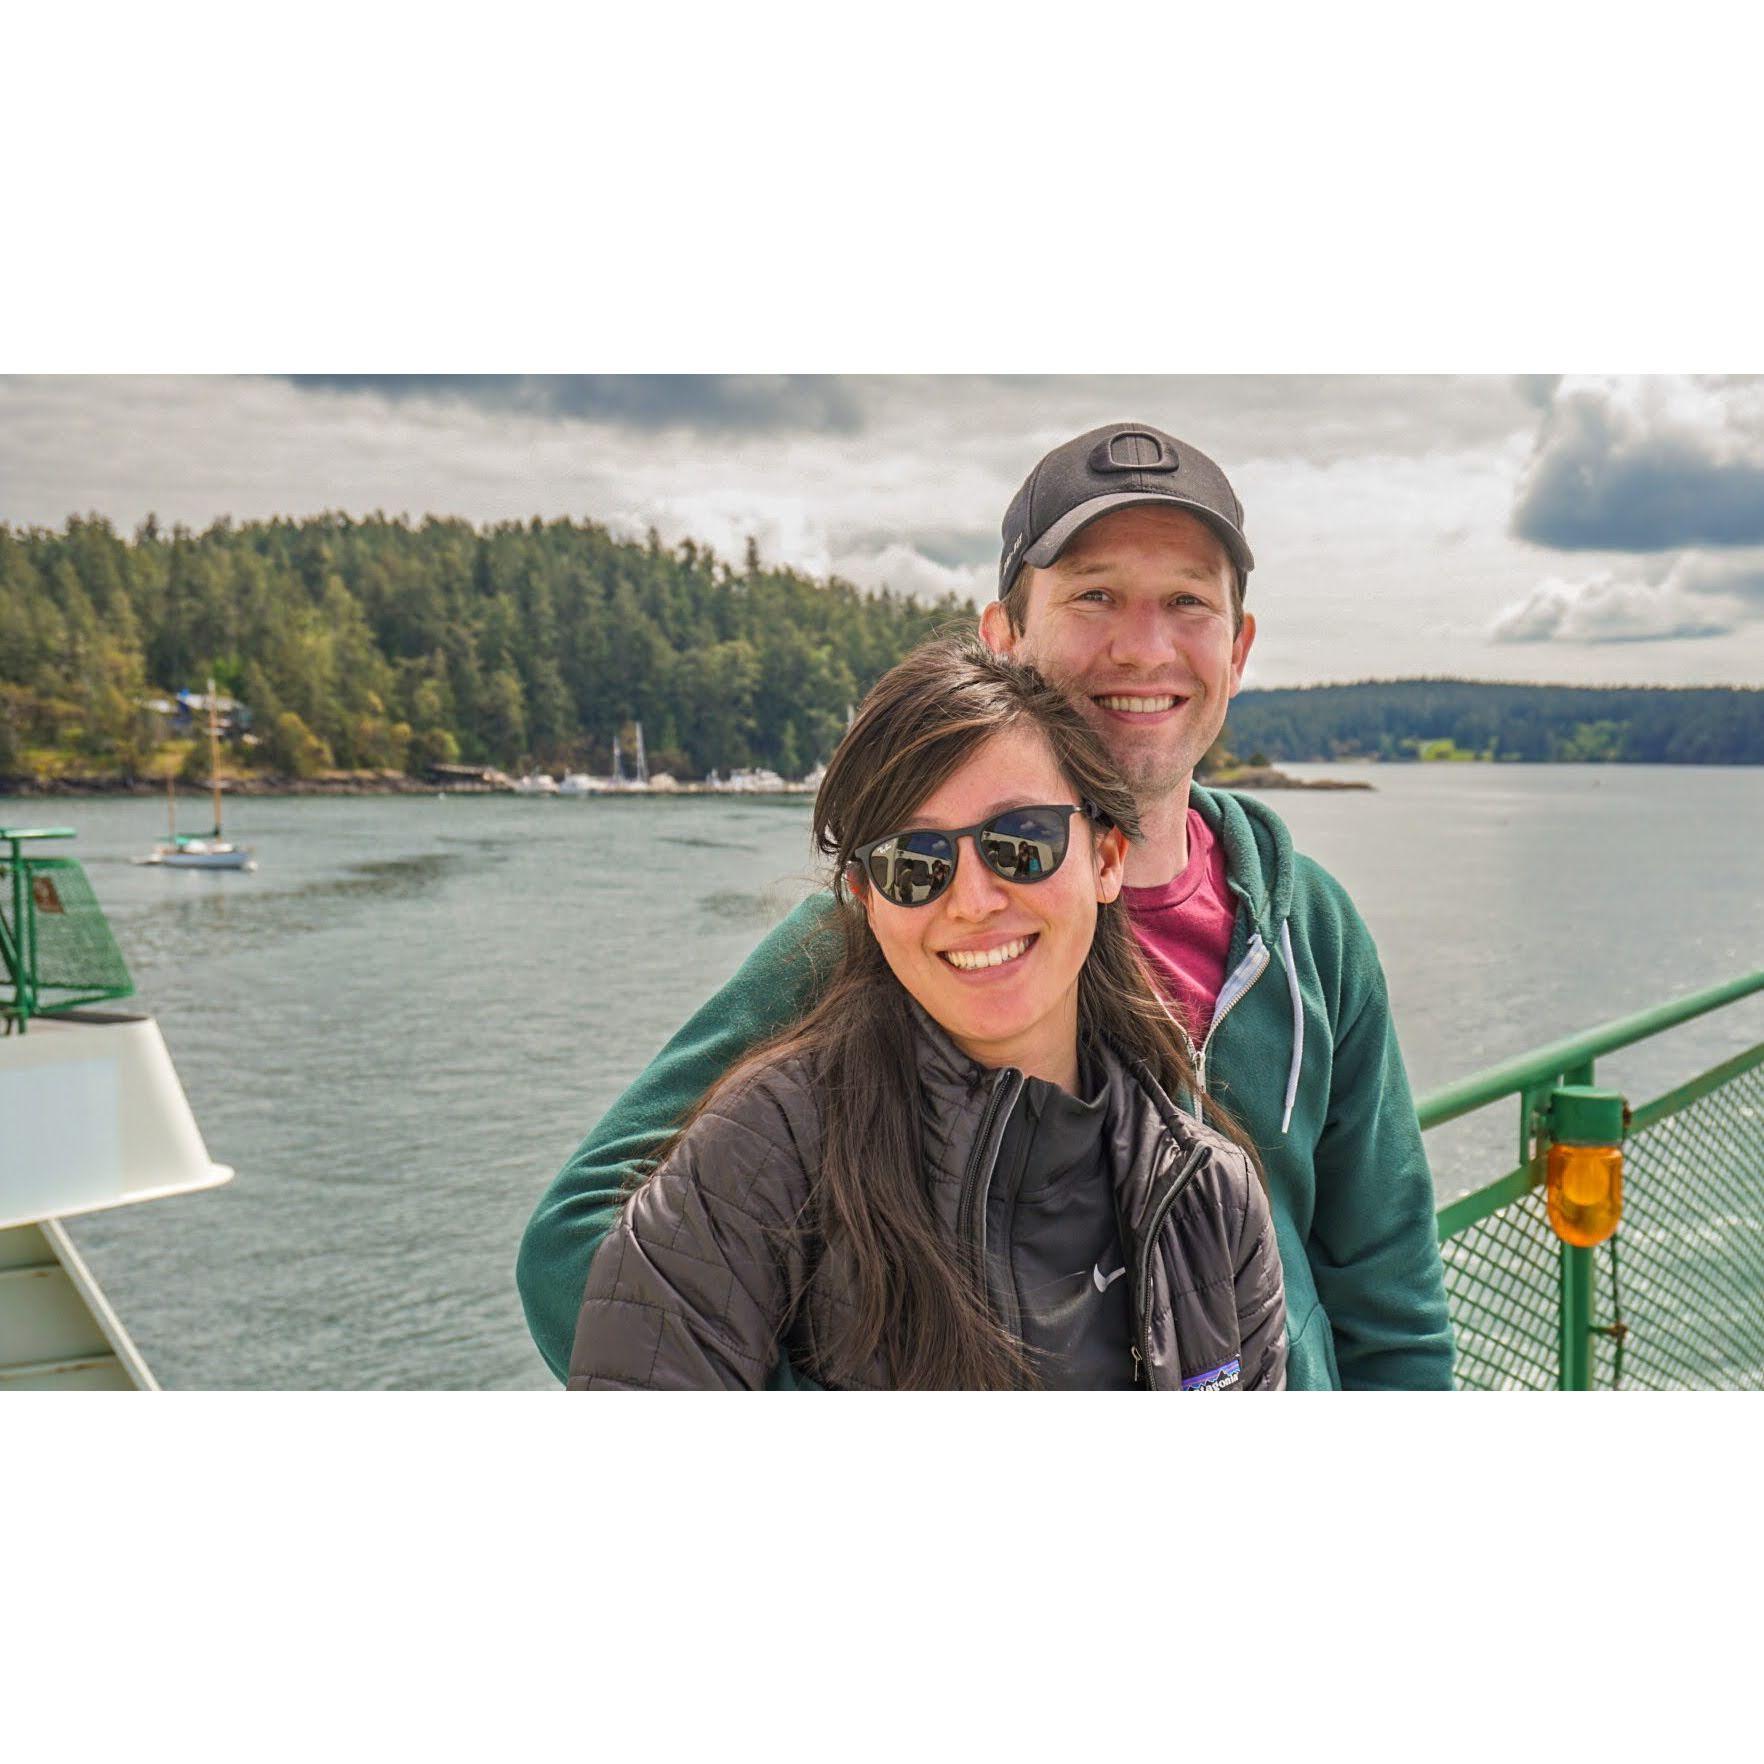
(1133,450)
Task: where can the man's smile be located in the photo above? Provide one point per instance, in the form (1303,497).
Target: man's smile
(1138,707)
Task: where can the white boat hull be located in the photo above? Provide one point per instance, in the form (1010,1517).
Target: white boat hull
(223,857)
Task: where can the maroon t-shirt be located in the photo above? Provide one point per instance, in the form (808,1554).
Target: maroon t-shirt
(1185,928)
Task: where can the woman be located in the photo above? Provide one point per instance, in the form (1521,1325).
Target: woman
(963,1169)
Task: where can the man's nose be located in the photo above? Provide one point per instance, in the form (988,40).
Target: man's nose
(1140,637)
(974,891)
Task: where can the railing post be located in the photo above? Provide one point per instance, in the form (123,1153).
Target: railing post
(23,956)
(1576,1318)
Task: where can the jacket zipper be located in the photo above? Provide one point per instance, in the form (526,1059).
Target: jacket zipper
(1253,966)
(1247,972)
(983,1160)
(1148,1239)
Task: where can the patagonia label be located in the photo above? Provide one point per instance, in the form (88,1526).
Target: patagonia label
(1220,1378)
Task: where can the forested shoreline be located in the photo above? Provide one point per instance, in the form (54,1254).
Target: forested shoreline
(382,646)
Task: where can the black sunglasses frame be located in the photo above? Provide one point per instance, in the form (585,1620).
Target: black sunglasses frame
(862,854)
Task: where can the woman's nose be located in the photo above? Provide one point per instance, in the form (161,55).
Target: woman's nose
(974,891)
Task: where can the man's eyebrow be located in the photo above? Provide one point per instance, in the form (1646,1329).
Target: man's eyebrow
(1188,572)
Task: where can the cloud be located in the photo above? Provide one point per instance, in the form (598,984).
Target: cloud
(1699,597)
(1235,418)
(1604,610)
(953,547)
(907,570)
(759,403)
(1537,389)
(1646,466)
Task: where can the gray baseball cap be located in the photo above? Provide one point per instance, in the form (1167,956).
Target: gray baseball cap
(1111,468)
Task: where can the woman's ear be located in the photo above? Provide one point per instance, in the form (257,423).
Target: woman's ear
(1111,864)
(857,885)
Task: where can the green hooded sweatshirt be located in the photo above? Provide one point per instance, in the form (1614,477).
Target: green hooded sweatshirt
(1301,1051)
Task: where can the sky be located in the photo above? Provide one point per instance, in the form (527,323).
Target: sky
(1578,529)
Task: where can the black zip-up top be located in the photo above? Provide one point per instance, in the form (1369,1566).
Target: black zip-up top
(711,1269)
(1054,1268)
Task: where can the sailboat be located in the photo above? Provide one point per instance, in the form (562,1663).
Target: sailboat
(639,778)
(201,851)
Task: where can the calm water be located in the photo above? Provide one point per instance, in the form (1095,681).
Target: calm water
(401,1025)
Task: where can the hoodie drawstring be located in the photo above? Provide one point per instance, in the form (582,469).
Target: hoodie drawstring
(1298,1024)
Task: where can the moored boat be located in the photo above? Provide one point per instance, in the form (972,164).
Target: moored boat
(200,851)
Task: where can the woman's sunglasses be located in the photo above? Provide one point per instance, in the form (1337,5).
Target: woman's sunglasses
(1020,845)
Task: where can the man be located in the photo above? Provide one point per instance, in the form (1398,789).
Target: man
(1122,578)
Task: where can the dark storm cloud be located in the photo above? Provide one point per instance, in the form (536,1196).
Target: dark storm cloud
(1234,417)
(760,403)
(1646,467)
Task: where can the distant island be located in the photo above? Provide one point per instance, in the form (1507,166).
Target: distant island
(381,654)
(1444,720)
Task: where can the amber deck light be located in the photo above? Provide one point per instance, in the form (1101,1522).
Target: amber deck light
(1583,1178)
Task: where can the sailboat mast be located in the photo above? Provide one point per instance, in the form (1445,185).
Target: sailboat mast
(171,809)
(214,755)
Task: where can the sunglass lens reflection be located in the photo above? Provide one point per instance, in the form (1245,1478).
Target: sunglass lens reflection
(912,869)
(1024,846)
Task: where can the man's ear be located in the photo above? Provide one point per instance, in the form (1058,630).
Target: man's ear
(995,628)
(1240,648)
(1111,864)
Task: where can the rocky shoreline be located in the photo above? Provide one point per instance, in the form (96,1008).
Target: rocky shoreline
(1270,778)
(388,783)
(244,784)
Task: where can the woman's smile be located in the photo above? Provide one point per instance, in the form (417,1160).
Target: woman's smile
(983,959)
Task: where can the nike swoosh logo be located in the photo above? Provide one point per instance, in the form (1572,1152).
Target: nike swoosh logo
(1103,1285)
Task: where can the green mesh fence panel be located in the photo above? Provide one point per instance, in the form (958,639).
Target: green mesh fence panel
(1684,1276)
(1501,1288)
(75,952)
(1690,1252)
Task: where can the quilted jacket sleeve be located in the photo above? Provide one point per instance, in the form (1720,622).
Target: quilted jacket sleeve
(776,985)
(1261,1295)
(693,1286)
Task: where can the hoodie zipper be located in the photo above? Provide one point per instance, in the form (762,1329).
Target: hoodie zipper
(1247,972)
(1253,966)
(983,1160)
(1143,1256)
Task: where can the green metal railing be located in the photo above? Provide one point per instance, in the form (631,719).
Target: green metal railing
(56,950)
(1675,1298)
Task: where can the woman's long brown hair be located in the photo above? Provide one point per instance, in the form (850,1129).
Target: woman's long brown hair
(914,1302)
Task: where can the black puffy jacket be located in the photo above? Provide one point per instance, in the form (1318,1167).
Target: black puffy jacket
(692,1288)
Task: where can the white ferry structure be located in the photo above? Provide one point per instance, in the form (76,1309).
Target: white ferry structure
(95,1118)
